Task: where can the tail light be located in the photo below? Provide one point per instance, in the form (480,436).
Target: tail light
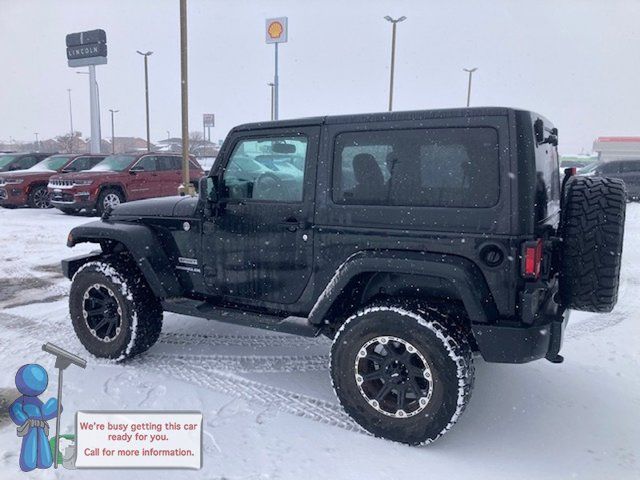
(532,259)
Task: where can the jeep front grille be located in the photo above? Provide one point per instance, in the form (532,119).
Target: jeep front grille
(60,183)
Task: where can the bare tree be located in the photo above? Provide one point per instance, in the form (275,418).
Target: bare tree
(69,143)
(197,142)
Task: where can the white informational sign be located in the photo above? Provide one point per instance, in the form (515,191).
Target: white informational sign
(208,120)
(276,30)
(124,439)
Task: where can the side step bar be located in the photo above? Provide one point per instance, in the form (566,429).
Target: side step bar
(196,308)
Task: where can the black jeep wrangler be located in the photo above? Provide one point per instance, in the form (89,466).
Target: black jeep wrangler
(412,239)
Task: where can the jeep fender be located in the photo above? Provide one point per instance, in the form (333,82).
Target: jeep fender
(140,242)
(460,274)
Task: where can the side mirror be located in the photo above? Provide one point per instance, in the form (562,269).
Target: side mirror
(208,189)
(134,172)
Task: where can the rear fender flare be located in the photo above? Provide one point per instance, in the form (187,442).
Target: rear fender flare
(463,276)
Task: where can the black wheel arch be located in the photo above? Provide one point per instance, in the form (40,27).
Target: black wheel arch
(138,242)
(368,275)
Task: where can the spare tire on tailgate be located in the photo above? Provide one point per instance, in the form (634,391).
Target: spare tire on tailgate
(592,230)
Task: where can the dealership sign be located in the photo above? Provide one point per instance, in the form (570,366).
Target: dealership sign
(209,120)
(276,30)
(87,48)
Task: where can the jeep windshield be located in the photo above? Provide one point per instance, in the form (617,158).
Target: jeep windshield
(53,164)
(114,163)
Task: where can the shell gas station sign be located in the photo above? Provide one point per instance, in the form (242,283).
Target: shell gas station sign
(276,30)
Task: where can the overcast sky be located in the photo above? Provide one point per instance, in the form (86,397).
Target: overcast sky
(576,62)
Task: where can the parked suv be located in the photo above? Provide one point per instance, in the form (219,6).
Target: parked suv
(121,178)
(29,187)
(20,161)
(412,239)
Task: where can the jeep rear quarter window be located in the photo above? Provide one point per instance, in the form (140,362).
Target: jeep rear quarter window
(547,203)
(437,167)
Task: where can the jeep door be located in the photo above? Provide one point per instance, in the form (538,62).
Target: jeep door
(258,247)
(169,174)
(144,181)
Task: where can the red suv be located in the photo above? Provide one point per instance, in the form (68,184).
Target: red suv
(121,178)
(29,187)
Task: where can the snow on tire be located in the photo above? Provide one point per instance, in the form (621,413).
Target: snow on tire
(401,373)
(114,313)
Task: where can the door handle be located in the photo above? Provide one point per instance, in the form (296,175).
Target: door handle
(292,224)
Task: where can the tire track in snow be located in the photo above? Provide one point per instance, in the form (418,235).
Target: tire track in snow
(592,324)
(197,339)
(247,363)
(297,404)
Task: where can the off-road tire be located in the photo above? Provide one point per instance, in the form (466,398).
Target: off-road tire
(104,194)
(592,235)
(141,312)
(445,349)
(39,197)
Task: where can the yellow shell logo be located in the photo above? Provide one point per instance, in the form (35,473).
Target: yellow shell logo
(275,29)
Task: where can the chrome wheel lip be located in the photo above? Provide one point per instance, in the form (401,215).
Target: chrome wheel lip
(111,200)
(86,296)
(423,401)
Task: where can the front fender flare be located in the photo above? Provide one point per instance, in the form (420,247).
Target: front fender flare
(144,247)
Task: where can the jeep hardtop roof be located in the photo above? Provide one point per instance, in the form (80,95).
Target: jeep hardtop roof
(386,117)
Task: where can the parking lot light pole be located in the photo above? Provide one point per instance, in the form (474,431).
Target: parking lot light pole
(71,122)
(271,87)
(470,72)
(394,23)
(113,138)
(146,92)
(37,142)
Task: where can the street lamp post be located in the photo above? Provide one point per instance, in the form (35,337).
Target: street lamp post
(272,88)
(113,138)
(470,72)
(394,23)
(37,142)
(70,122)
(146,92)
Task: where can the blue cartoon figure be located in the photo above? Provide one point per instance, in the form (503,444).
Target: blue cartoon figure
(31,415)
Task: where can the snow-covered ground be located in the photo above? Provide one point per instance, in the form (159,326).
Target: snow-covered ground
(270,413)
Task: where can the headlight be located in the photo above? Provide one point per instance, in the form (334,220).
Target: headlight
(79,183)
(13,181)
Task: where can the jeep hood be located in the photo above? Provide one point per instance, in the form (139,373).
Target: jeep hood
(27,174)
(85,175)
(155,207)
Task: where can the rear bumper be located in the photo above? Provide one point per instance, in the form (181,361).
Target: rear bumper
(521,343)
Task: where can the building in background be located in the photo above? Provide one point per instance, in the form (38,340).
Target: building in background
(617,148)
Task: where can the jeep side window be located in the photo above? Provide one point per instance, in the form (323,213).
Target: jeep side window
(438,167)
(168,163)
(146,164)
(270,169)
